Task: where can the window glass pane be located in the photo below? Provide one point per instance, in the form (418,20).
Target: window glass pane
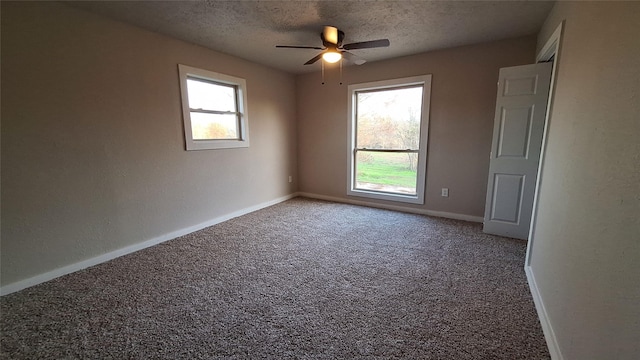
(389,119)
(209,96)
(386,172)
(214,126)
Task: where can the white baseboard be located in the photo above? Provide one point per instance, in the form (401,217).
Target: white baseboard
(50,275)
(549,335)
(443,214)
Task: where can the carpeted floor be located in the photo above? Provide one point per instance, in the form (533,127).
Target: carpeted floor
(302,279)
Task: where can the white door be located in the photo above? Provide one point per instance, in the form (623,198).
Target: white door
(515,150)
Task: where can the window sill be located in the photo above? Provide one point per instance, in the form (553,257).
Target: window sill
(216,144)
(411,199)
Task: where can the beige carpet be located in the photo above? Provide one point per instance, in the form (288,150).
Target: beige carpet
(303,279)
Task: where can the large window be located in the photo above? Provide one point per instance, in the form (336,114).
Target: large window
(388,139)
(214,109)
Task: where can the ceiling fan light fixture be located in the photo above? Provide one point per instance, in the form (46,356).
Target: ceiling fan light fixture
(332,56)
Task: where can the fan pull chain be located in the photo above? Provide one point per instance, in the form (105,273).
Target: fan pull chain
(340,71)
(322,72)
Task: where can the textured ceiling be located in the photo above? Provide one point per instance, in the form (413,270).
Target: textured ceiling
(251,29)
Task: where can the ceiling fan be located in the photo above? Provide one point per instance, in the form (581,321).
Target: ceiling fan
(334,50)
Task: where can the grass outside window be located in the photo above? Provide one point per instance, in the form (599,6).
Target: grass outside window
(386,172)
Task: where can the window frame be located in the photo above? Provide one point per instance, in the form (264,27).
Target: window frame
(421,80)
(240,86)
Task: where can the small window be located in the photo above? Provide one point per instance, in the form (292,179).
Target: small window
(388,139)
(214,108)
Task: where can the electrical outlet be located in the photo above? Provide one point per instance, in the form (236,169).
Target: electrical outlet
(445,192)
(290,178)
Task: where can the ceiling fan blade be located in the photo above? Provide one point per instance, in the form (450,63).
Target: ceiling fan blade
(314,59)
(367,44)
(299,47)
(330,34)
(353,58)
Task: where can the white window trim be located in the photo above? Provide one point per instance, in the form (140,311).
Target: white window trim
(425,81)
(241,86)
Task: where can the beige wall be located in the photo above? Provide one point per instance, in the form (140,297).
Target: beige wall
(93,155)
(585,254)
(461,121)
